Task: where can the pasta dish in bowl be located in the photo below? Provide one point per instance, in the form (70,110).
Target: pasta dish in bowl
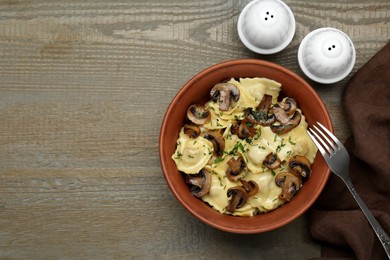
(234,148)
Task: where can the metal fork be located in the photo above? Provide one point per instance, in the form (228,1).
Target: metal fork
(337,158)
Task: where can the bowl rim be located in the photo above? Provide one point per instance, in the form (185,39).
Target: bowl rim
(163,130)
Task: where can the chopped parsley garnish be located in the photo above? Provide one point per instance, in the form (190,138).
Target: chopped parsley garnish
(237,146)
(218,160)
(257,136)
(290,141)
(178,155)
(280,146)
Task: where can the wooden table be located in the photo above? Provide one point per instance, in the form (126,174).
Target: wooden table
(83,89)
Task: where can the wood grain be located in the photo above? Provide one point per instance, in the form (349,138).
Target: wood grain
(83,89)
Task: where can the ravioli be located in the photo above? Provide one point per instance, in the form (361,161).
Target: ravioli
(192,154)
(256,88)
(217,197)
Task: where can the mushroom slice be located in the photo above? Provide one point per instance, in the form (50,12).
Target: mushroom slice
(200,183)
(239,198)
(264,117)
(236,168)
(198,114)
(272,161)
(300,165)
(235,127)
(250,115)
(289,105)
(251,187)
(286,123)
(246,129)
(192,131)
(225,92)
(216,138)
(281,115)
(290,184)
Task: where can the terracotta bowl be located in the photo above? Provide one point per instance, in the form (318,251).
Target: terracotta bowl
(197,91)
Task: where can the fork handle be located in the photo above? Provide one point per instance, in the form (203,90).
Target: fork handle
(383,237)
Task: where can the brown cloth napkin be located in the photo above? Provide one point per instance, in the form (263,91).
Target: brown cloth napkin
(336,220)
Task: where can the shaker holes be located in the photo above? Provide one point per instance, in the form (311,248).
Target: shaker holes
(267,13)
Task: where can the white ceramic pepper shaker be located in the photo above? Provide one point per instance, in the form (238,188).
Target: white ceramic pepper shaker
(266,26)
(326,55)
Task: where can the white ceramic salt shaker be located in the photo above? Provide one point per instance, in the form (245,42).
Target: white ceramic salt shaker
(326,55)
(266,26)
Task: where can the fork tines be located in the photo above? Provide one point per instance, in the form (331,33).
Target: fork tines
(324,139)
